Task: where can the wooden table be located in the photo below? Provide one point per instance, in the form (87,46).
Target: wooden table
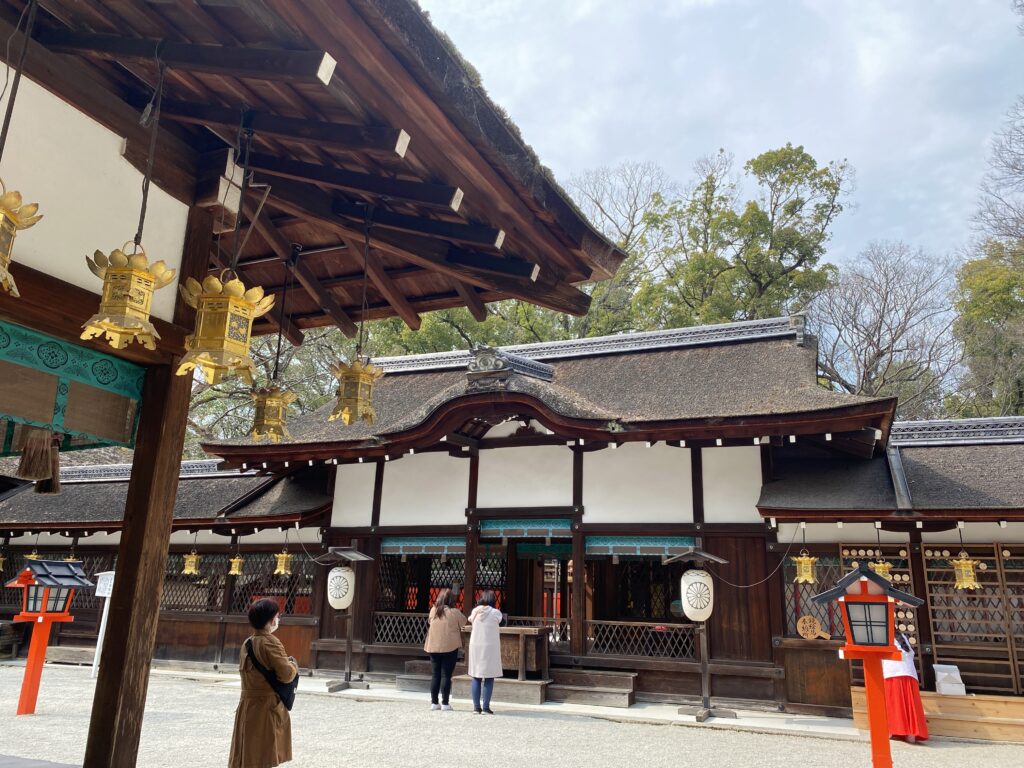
(524,649)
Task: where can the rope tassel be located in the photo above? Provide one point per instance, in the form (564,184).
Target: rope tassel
(35,463)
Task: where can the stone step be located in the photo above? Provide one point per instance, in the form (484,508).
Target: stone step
(586,694)
(505,690)
(422,667)
(594,678)
(69,654)
(409,682)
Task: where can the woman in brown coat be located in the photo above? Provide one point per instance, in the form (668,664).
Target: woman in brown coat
(444,641)
(263,730)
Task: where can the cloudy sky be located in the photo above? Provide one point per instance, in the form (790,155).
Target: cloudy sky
(909,91)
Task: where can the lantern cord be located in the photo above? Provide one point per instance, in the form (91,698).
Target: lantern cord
(774,570)
(151,117)
(296,249)
(30,9)
(314,558)
(246,145)
(366,278)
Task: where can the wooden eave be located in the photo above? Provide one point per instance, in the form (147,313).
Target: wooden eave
(448,418)
(349,126)
(894,516)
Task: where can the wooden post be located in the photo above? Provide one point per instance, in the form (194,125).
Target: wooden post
(924,616)
(472,537)
(120,697)
(577,613)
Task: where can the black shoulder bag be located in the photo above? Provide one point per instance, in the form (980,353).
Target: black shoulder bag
(286,691)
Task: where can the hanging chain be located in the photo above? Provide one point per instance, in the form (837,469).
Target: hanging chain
(366,278)
(151,117)
(292,263)
(29,26)
(246,145)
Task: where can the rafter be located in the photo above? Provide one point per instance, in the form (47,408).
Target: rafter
(474,303)
(250,62)
(387,288)
(441,195)
(332,135)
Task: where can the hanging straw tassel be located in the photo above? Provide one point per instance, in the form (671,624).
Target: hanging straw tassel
(35,463)
(51,484)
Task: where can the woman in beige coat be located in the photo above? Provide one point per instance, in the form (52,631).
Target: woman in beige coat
(263,729)
(444,641)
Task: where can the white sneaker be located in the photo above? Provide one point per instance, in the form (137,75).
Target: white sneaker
(435,706)
(446,707)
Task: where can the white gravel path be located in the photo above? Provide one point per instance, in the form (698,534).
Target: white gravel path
(188,725)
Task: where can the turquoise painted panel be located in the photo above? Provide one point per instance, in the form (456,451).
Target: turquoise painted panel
(422,545)
(555,528)
(642,546)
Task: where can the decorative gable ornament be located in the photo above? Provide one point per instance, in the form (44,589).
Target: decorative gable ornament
(128,286)
(355,391)
(270,420)
(13,217)
(698,593)
(492,368)
(224,314)
(341,587)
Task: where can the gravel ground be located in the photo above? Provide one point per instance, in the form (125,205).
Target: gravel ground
(188,723)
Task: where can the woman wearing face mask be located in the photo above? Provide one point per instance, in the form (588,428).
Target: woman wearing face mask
(263,729)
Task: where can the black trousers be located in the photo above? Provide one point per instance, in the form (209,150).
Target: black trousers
(442,665)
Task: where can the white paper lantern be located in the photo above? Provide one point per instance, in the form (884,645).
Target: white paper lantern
(341,587)
(698,593)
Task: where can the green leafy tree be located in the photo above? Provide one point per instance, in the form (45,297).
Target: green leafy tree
(990,323)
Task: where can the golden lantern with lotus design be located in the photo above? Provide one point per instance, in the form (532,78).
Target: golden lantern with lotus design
(806,572)
(236,565)
(284,563)
(191,564)
(128,285)
(271,413)
(355,391)
(14,216)
(882,568)
(964,571)
(224,314)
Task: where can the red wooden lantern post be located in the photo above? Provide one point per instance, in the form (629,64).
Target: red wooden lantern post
(49,586)
(867,602)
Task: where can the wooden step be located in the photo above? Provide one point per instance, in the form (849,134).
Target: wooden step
(594,678)
(506,690)
(422,667)
(409,682)
(69,654)
(588,694)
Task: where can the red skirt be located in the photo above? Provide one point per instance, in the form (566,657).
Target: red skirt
(904,708)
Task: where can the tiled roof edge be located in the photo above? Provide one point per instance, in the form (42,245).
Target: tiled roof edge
(748,330)
(107,472)
(994,430)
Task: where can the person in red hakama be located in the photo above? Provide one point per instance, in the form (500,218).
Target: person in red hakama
(903,695)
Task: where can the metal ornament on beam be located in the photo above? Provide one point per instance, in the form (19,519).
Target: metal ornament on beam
(491,368)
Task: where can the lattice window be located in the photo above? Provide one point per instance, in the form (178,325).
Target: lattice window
(412,584)
(93,563)
(798,596)
(294,593)
(1011,564)
(491,574)
(203,593)
(391,628)
(659,641)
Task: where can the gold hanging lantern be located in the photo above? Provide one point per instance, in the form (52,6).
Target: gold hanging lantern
(284,563)
(224,314)
(71,558)
(191,564)
(882,568)
(963,569)
(34,555)
(3,561)
(271,413)
(128,286)
(236,565)
(355,391)
(13,217)
(806,571)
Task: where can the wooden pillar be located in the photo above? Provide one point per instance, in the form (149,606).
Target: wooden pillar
(472,534)
(924,614)
(697,486)
(120,697)
(578,611)
(368,573)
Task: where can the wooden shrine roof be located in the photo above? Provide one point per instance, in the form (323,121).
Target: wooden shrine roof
(93,498)
(361,111)
(949,466)
(709,378)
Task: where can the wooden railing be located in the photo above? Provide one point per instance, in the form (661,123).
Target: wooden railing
(656,640)
(559,630)
(392,628)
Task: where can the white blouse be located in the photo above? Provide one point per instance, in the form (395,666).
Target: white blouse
(903,668)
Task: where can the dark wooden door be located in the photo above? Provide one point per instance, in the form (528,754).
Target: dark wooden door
(739,627)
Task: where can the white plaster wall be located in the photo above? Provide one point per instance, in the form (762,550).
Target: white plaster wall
(864,533)
(353,495)
(535,476)
(88,194)
(309,536)
(425,489)
(732,484)
(637,484)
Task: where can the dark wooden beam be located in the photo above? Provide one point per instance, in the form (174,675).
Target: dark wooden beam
(275,317)
(280,245)
(250,62)
(311,203)
(471,234)
(488,263)
(331,135)
(474,303)
(395,297)
(441,195)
